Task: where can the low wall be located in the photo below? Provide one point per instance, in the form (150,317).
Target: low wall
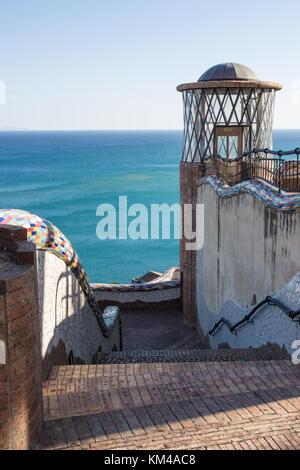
(70,318)
(67,321)
(250,251)
(162,291)
(163,297)
(20,366)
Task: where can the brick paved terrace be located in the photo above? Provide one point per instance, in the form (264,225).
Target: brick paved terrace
(233,403)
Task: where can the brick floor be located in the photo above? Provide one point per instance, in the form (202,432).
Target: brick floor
(191,405)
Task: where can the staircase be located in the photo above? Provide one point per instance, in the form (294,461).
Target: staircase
(187,355)
(174,399)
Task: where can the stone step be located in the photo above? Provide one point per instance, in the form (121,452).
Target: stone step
(189,342)
(77,390)
(188,355)
(186,425)
(172,405)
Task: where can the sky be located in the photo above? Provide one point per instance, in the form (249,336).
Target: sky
(93,64)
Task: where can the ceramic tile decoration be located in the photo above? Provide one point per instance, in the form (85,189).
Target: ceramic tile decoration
(280,201)
(148,286)
(46,236)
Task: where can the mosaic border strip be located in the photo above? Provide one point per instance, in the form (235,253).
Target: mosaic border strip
(47,236)
(283,201)
(136,287)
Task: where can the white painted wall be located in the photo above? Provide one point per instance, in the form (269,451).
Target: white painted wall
(65,313)
(250,251)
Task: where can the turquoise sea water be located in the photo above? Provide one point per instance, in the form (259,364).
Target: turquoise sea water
(64,176)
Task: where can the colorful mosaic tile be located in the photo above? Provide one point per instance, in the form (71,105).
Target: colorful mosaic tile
(46,236)
(149,286)
(280,201)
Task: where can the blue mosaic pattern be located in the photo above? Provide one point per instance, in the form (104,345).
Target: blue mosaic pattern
(285,202)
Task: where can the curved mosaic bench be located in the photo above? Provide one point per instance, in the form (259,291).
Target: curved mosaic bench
(46,236)
(266,193)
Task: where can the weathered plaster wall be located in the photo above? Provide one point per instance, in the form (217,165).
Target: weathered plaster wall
(250,251)
(67,321)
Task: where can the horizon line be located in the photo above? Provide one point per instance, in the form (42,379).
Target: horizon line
(116,130)
(4,129)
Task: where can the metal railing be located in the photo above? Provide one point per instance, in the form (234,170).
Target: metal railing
(258,164)
(247,319)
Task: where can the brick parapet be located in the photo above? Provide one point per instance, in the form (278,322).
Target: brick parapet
(20,376)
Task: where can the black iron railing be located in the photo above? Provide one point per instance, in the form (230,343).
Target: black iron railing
(247,319)
(258,164)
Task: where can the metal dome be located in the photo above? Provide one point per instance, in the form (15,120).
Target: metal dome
(228,71)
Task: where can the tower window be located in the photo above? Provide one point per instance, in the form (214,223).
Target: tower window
(228,141)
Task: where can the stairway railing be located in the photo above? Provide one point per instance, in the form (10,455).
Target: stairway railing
(247,319)
(258,164)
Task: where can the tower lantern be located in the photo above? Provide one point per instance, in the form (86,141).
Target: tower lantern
(228,111)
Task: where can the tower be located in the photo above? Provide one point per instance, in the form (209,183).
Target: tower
(227,112)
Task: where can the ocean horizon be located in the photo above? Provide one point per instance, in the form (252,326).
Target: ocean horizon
(64,176)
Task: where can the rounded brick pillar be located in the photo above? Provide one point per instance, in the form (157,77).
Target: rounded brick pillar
(20,363)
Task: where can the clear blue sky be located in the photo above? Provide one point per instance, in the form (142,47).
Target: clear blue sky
(93,64)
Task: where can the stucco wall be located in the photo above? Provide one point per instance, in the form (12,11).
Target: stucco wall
(250,251)
(67,321)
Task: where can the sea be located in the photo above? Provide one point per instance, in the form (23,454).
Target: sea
(64,176)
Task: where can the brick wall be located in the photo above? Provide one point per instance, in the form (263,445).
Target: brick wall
(20,385)
(189,175)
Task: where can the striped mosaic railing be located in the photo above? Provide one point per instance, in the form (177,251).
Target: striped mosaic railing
(280,201)
(46,236)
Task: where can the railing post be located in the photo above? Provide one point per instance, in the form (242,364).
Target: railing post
(280,172)
(297,151)
(256,164)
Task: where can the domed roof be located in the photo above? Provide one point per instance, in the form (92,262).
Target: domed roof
(228,71)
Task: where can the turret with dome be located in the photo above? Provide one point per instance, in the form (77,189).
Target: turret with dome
(228,111)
